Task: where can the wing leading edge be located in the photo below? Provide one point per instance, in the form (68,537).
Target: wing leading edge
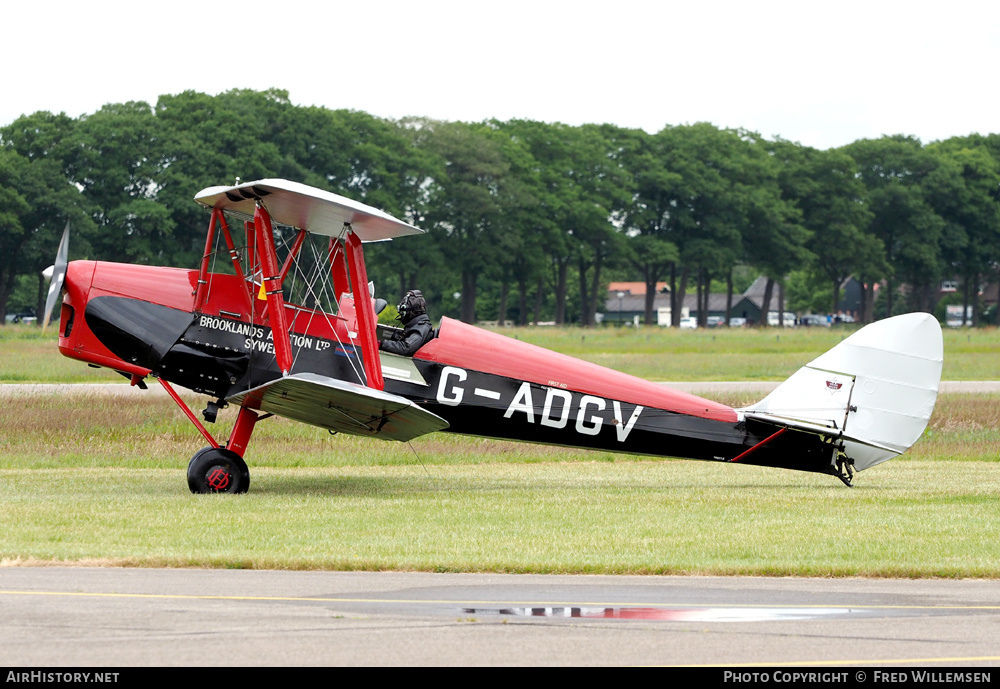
(341,406)
(307,208)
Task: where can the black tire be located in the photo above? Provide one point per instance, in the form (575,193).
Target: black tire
(218,470)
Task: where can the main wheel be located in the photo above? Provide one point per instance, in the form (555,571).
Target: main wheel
(218,470)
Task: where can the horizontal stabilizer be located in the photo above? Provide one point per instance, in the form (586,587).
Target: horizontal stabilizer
(341,406)
(875,390)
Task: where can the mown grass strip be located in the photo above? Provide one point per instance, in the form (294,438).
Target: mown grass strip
(667,517)
(92,480)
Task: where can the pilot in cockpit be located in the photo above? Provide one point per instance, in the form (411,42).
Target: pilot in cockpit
(417,329)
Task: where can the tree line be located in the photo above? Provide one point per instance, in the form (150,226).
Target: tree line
(527,221)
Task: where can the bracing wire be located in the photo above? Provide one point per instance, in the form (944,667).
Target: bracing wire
(419,460)
(316,285)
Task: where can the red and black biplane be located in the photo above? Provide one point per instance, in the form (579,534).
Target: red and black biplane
(280,319)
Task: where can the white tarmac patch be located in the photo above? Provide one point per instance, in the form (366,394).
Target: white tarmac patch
(677,614)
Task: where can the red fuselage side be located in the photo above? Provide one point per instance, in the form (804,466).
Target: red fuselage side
(173,288)
(86,280)
(458,344)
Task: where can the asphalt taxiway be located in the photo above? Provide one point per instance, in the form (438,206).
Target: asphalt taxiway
(80,616)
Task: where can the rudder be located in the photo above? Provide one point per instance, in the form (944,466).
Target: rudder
(873,393)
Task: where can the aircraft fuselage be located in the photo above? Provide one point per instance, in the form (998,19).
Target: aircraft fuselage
(140,320)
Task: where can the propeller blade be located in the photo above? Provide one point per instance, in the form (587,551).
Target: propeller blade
(58,275)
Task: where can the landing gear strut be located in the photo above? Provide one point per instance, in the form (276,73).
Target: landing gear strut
(218,468)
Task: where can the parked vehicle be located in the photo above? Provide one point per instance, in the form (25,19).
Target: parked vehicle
(773,319)
(23,316)
(814,320)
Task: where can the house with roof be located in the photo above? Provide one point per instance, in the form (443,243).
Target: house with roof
(626,301)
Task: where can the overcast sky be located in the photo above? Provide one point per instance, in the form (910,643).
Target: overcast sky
(822,74)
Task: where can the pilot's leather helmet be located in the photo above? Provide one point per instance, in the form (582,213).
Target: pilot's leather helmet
(412,305)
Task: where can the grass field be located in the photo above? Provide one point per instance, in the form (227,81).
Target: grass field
(96,480)
(91,480)
(662,354)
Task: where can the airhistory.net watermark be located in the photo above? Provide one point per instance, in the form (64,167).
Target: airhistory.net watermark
(43,677)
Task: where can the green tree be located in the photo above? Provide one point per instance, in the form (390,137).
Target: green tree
(894,170)
(774,238)
(212,140)
(579,186)
(40,156)
(713,194)
(36,200)
(120,158)
(831,198)
(965,192)
(13,208)
(474,204)
(395,171)
(653,214)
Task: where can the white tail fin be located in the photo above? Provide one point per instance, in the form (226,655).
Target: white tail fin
(875,391)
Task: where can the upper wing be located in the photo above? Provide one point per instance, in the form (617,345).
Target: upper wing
(307,208)
(341,406)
